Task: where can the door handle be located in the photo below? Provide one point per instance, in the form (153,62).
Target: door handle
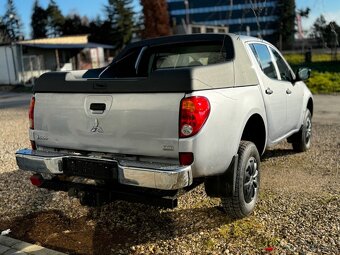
(269,91)
(288,91)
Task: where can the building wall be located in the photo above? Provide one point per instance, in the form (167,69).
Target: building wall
(9,65)
(239,17)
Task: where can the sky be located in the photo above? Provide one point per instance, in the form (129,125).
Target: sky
(92,8)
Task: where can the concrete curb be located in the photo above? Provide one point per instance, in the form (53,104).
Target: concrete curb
(10,246)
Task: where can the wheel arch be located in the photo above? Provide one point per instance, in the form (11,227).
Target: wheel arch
(310,105)
(255,131)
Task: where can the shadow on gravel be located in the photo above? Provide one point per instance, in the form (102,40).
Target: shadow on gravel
(152,225)
(277,153)
(19,197)
(35,216)
(54,230)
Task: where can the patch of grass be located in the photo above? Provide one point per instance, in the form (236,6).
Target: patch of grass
(210,244)
(329,199)
(297,59)
(241,228)
(252,230)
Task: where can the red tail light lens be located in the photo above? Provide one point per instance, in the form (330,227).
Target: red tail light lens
(31,113)
(186,158)
(194,113)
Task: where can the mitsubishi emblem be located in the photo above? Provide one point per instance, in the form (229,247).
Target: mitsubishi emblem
(96,128)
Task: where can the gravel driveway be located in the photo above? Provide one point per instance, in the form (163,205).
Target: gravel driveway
(299,210)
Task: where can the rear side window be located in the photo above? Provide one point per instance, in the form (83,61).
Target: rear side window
(264,59)
(183,55)
(141,61)
(123,67)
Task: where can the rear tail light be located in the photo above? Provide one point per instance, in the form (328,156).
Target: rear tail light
(194,113)
(37,180)
(31,113)
(186,158)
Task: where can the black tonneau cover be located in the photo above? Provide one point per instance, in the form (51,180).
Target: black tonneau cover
(178,80)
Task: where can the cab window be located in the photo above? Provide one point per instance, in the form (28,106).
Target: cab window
(263,57)
(284,70)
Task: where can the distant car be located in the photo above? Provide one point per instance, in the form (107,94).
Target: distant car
(165,115)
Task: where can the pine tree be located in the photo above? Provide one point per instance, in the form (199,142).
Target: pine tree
(156,18)
(38,21)
(119,23)
(124,21)
(75,25)
(12,23)
(55,20)
(4,36)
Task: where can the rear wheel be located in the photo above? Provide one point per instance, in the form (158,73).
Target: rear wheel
(302,140)
(247,185)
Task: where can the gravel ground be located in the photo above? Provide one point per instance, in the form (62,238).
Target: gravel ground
(298,212)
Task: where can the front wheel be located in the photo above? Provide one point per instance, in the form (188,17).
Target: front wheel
(302,140)
(247,185)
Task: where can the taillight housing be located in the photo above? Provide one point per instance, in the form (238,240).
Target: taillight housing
(31,119)
(31,113)
(194,113)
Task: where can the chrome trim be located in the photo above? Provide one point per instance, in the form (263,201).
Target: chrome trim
(139,58)
(158,177)
(40,162)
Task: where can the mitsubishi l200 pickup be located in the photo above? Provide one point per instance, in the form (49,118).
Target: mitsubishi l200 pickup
(166,115)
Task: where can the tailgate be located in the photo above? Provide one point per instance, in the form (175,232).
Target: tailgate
(134,124)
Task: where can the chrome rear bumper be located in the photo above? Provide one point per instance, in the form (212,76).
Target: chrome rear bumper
(129,173)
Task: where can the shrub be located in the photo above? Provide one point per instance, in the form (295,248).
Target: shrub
(324,82)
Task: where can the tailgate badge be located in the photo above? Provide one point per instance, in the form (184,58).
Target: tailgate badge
(96,128)
(168,148)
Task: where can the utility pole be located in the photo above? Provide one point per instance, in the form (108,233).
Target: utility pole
(187,17)
(335,42)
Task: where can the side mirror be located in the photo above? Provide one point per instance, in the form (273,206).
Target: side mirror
(302,74)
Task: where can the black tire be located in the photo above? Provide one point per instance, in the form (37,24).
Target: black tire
(247,186)
(301,141)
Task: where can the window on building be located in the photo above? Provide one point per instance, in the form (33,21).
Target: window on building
(196,30)
(264,59)
(284,70)
(222,30)
(209,30)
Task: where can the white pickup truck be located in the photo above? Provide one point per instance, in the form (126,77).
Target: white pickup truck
(166,115)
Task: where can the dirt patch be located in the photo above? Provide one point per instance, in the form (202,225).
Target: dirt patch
(54,230)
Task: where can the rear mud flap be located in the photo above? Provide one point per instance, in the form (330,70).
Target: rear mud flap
(223,185)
